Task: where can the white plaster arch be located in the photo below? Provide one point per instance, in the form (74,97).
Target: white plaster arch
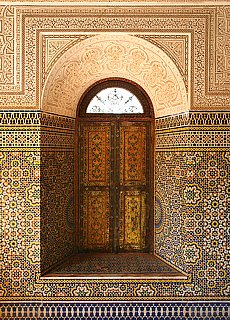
(114,55)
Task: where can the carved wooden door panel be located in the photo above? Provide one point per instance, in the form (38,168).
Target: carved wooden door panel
(114,186)
(95,183)
(133,186)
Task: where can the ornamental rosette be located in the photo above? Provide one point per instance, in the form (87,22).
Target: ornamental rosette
(33,194)
(145,291)
(192,252)
(114,289)
(33,253)
(190,290)
(81,291)
(192,195)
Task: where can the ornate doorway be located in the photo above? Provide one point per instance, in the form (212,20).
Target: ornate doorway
(115,147)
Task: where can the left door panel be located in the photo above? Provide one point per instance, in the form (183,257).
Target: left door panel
(95,164)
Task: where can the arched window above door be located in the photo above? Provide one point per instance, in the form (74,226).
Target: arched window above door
(115,100)
(115,97)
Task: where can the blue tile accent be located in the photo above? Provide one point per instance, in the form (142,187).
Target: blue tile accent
(116,311)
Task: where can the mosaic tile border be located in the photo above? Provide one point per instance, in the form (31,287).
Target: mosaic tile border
(57,132)
(26,138)
(56,121)
(36,129)
(194,118)
(14,118)
(34,117)
(193,131)
(122,310)
(190,138)
(31,130)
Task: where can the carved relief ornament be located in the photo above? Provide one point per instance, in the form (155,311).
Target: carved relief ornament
(114,55)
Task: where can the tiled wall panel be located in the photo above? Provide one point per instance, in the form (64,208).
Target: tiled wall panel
(192,198)
(191,216)
(57,189)
(57,206)
(20,222)
(20,202)
(192,203)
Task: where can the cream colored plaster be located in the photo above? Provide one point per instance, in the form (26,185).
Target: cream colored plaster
(114,55)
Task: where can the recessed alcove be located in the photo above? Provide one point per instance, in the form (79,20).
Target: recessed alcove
(123,265)
(113,179)
(114,190)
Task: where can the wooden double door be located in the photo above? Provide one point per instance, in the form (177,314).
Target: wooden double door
(114,186)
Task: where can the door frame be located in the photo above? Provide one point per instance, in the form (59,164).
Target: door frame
(147,116)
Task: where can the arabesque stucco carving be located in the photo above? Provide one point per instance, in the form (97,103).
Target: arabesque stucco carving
(114,55)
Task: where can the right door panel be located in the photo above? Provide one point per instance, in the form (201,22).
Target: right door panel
(132,224)
(134,185)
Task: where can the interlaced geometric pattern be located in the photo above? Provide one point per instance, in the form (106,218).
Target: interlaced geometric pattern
(191,216)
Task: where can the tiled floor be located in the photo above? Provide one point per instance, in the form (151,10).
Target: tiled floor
(110,264)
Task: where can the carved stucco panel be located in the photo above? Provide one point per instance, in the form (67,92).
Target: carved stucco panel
(9,78)
(114,55)
(25,36)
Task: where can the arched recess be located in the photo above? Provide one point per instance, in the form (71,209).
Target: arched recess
(114,55)
(92,60)
(114,164)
